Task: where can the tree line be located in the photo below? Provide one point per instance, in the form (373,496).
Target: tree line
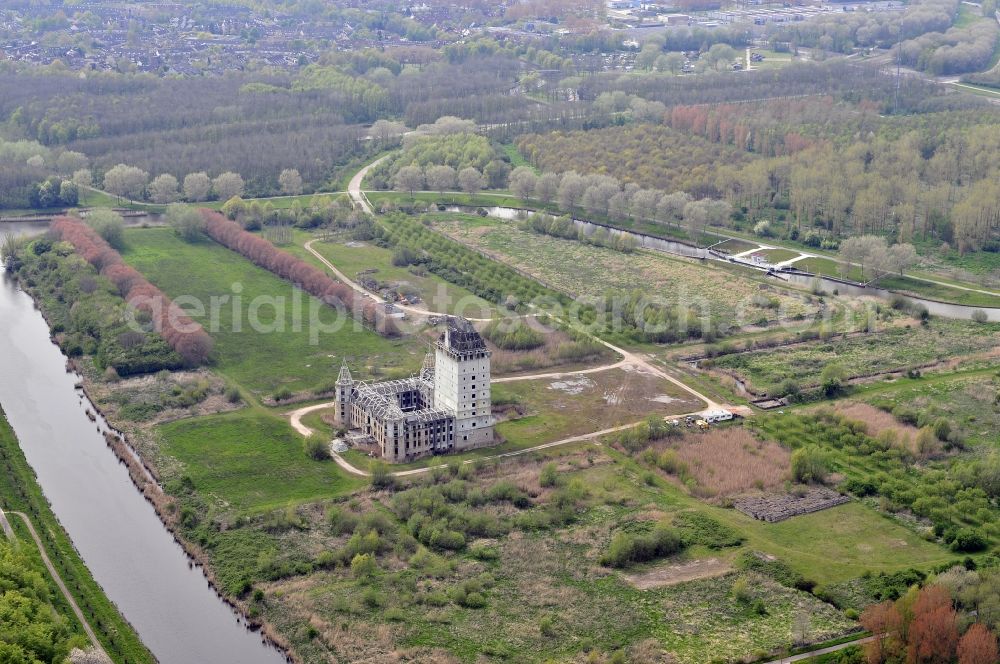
(310,279)
(185,336)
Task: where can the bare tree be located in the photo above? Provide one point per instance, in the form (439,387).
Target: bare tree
(126,181)
(470,180)
(870,251)
(644,203)
(696,218)
(571,189)
(547,186)
(902,256)
(70,161)
(387,133)
(670,209)
(523,182)
(83,177)
(409,178)
(440,178)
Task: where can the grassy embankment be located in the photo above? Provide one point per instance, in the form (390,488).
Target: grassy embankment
(19,491)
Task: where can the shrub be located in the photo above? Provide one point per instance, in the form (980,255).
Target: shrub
(942,429)
(775,569)
(316,448)
(809,464)
(548,476)
(341,521)
(513,336)
(382,477)
(968,540)
(363,566)
(979,316)
(485,553)
(698,528)
(627,548)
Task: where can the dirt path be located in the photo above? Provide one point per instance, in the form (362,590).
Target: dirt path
(628,359)
(671,575)
(55,577)
(346,465)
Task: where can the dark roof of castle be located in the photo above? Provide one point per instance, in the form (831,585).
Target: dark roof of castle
(461,337)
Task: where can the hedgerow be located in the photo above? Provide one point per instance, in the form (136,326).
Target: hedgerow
(185,336)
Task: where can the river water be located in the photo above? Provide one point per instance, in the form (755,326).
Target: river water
(120,538)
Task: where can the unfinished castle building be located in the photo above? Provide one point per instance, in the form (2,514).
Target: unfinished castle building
(445,408)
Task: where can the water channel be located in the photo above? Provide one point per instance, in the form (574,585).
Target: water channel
(118,534)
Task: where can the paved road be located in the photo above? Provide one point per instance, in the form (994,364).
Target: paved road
(55,576)
(354,186)
(820,651)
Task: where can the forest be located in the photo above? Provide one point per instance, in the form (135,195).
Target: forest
(930,35)
(930,177)
(258,123)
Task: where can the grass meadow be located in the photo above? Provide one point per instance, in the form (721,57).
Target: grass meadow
(263,363)
(251,462)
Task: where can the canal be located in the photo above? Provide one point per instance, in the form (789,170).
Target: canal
(117,532)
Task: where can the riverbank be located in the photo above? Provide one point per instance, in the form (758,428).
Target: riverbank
(144,568)
(20,491)
(146,480)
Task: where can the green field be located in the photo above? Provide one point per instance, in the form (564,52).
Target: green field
(829,267)
(262,362)
(19,491)
(250,462)
(436,294)
(778,255)
(891,348)
(969,403)
(584,269)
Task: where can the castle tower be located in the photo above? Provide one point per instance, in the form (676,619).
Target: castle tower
(462,383)
(427,369)
(345,393)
